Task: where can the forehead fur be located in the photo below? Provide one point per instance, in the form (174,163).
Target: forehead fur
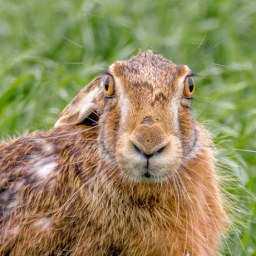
(147,67)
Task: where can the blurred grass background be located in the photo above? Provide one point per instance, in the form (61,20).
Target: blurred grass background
(50,49)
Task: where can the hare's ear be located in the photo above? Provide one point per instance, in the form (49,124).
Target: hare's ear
(85,108)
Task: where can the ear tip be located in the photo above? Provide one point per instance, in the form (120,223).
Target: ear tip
(118,68)
(182,69)
(84,112)
(58,124)
(62,121)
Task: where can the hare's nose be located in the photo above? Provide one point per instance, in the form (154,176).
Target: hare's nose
(148,140)
(141,151)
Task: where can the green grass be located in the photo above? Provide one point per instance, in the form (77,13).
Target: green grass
(50,49)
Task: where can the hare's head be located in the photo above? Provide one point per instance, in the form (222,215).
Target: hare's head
(142,109)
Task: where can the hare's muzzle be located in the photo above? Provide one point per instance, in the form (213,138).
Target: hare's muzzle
(149,154)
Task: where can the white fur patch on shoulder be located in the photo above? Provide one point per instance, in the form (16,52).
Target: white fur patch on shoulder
(43,224)
(14,231)
(44,166)
(48,148)
(9,231)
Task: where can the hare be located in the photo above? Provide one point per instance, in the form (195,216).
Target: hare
(125,171)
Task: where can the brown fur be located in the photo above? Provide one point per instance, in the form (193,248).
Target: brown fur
(70,191)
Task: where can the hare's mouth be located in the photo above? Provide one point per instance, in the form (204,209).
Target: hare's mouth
(142,165)
(147,177)
(140,169)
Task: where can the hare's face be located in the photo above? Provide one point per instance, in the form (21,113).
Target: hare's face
(142,108)
(146,125)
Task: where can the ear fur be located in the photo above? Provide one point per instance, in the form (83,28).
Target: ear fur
(85,107)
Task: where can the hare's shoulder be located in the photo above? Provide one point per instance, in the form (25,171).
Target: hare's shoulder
(37,157)
(15,153)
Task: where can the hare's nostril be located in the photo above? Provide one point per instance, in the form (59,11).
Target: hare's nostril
(160,150)
(137,149)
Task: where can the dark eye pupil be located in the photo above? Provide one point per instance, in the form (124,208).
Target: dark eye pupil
(106,82)
(106,86)
(191,84)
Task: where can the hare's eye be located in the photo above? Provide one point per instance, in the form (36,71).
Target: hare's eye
(189,87)
(108,85)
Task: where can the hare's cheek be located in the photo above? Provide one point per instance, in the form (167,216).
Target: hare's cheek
(109,134)
(188,131)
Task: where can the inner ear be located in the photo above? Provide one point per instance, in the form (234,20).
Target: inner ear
(91,120)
